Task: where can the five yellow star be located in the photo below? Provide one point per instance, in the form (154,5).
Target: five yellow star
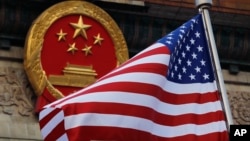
(61,35)
(98,39)
(72,48)
(87,50)
(80,28)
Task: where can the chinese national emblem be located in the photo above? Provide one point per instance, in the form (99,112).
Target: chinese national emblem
(69,46)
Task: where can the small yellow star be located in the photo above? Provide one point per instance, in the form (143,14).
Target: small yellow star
(61,35)
(87,50)
(72,48)
(80,28)
(98,39)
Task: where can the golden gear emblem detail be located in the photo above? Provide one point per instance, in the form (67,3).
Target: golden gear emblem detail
(69,46)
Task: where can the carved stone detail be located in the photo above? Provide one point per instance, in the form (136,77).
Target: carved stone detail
(16,95)
(240,106)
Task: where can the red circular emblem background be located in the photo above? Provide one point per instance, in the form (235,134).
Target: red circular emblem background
(54,54)
(68,47)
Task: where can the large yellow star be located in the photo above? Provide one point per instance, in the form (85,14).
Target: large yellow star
(72,48)
(87,50)
(61,35)
(80,28)
(98,39)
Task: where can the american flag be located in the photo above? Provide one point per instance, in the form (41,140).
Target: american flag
(167,92)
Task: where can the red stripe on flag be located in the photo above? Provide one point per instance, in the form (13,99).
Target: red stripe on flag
(155,91)
(126,134)
(48,117)
(144,112)
(160,49)
(58,131)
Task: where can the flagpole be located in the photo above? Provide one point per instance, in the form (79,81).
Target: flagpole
(203,6)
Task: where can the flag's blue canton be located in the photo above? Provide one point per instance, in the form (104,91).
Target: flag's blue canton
(190,61)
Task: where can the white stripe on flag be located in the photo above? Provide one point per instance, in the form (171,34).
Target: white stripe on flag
(147,101)
(158,80)
(109,120)
(158,59)
(190,88)
(44,113)
(64,137)
(151,47)
(52,123)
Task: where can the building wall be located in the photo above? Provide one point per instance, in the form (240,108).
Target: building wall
(238,90)
(17,99)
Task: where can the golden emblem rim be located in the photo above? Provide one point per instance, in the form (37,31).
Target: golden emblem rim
(35,37)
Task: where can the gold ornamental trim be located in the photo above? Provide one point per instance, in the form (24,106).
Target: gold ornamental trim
(35,38)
